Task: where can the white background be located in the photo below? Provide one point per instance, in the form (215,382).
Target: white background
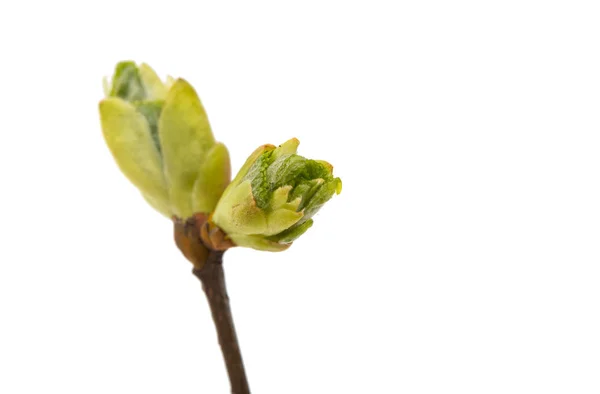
(461,257)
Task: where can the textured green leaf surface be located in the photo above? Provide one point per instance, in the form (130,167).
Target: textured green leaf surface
(126,82)
(274,196)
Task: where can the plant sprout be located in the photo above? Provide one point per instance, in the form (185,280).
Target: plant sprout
(159,135)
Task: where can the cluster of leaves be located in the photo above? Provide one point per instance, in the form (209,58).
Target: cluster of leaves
(159,135)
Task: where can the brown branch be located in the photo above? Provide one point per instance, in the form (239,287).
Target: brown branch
(213,283)
(203,245)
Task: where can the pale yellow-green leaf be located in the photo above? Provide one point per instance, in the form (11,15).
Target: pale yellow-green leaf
(280,196)
(292,234)
(127,135)
(213,178)
(185,138)
(106,86)
(258,243)
(292,205)
(287,148)
(169,81)
(155,88)
(338,186)
(280,220)
(237,212)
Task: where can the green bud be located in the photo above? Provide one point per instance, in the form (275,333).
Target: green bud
(273,198)
(160,137)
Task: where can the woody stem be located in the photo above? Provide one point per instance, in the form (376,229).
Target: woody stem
(213,283)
